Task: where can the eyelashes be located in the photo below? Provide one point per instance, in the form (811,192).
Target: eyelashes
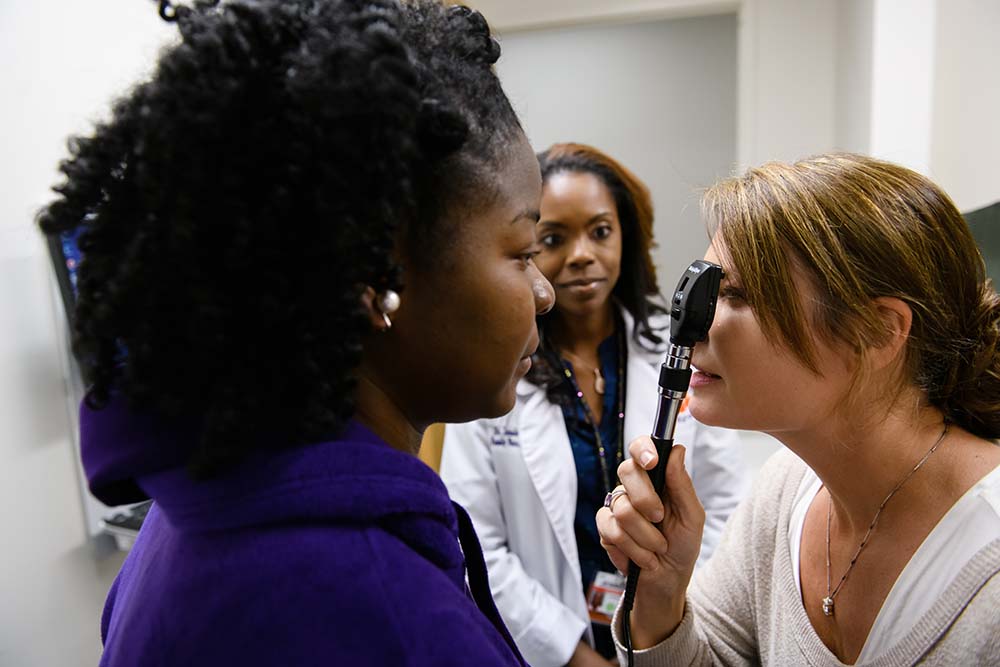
(555,239)
(733,293)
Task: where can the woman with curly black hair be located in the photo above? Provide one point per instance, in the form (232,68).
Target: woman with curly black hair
(306,237)
(592,388)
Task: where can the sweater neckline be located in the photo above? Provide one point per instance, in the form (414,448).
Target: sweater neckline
(925,632)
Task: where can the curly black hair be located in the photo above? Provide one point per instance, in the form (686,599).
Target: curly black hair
(237,203)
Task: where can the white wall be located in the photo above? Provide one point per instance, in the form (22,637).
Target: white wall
(512,15)
(965,146)
(907,80)
(658,96)
(61,62)
(786,79)
(917,83)
(853,76)
(903,82)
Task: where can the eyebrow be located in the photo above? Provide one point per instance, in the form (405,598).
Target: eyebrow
(532,214)
(597,218)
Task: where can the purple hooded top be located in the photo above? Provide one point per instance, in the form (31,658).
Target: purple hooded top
(345,552)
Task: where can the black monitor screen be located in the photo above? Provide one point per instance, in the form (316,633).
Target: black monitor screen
(65,259)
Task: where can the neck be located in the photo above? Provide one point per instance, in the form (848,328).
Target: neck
(379,413)
(581,334)
(861,464)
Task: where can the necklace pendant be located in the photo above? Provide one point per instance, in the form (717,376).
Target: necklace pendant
(828,606)
(598,381)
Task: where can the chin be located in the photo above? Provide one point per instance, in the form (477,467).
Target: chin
(489,407)
(471,405)
(704,413)
(504,403)
(582,306)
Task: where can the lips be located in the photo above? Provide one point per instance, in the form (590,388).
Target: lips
(702,378)
(532,348)
(524,364)
(580,282)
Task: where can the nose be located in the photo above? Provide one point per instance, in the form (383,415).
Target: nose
(545,296)
(581,252)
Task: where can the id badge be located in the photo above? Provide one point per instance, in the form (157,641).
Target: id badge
(604,595)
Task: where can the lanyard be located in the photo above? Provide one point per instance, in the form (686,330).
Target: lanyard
(606,477)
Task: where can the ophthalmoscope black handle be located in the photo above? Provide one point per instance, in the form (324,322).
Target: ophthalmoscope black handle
(692,309)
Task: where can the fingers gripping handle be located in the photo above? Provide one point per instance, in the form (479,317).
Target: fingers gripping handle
(658,474)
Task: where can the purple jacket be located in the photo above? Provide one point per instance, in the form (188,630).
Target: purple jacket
(346,552)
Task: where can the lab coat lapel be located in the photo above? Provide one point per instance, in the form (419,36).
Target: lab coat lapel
(641,380)
(548,458)
(640,398)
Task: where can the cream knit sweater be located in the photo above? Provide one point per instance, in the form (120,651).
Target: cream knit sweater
(744,608)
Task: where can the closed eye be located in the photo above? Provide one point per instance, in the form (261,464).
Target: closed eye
(528,258)
(733,293)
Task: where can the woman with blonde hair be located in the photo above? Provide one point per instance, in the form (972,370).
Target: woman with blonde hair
(533,479)
(856,325)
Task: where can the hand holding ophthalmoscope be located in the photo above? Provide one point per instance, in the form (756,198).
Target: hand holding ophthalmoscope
(657,525)
(664,539)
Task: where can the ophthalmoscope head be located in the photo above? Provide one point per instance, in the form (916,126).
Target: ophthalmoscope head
(692,308)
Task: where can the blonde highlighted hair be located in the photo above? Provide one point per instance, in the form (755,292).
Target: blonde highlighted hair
(860,229)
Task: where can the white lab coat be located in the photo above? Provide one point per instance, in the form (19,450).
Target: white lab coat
(517,478)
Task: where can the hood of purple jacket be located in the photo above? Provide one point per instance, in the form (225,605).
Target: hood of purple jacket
(354,501)
(357,478)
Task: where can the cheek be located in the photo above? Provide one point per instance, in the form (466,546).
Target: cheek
(770,389)
(750,364)
(613,257)
(549,263)
(506,308)
(741,355)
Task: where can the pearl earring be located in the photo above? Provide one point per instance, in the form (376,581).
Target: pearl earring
(387,302)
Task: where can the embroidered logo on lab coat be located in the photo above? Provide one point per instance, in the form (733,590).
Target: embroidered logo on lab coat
(504,437)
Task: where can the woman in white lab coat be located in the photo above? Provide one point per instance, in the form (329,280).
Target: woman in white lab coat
(533,480)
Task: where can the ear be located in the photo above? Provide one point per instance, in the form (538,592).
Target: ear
(897,318)
(372,312)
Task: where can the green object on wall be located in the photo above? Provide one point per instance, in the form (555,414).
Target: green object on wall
(985,226)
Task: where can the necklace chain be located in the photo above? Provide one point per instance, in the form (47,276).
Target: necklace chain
(601,451)
(830,595)
(599,383)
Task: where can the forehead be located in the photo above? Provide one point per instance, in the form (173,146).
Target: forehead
(576,189)
(509,196)
(519,178)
